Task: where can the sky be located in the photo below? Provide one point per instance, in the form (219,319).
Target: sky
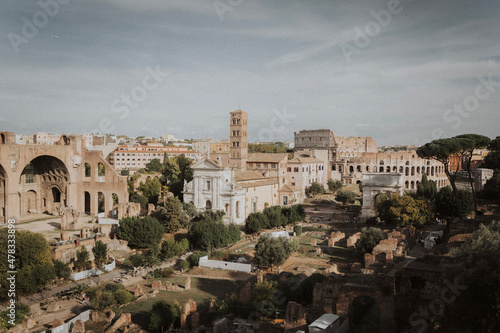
(400,71)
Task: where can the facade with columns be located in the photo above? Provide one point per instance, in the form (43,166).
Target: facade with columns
(214,188)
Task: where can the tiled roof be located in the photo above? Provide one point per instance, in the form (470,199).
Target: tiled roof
(289,188)
(248,175)
(304,160)
(264,182)
(267,157)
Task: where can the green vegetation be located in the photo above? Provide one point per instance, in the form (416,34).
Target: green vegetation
(106,297)
(139,198)
(276,147)
(370,237)
(140,232)
(170,248)
(61,269)
(175,171)
(473,273)
(404,210)
(33,261)
(163,315)
(297,229)
(154,166)
(492,160)
(315,189)
(21,312)
(169,215)
(208,232)
(442,150)
(274,216)
(426,188)
(334,185)
(492,186)
(445,202)
(151,189)
(100,251)
(274,251)
(345,197)
(82,261)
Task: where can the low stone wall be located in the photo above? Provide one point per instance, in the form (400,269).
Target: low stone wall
(67,327)
(92,272)
(232,266)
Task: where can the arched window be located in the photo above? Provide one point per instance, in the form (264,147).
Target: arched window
(208,205)
(88,171)
(101,202)
(101,170)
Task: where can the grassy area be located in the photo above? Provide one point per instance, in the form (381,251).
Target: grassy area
(202,290)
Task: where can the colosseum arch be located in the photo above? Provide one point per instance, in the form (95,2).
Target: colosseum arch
(43,186)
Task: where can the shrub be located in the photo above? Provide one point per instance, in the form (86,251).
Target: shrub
(141,233)
(114,287)
(61,269)
(136,260)
(345,197)
(123,297)
(297,229)
(168,272)
(185,264)
(370,237)
(334,185)
(273,251)
(195,257)
(208,233)
(162,315)
(315,189)
(171,248)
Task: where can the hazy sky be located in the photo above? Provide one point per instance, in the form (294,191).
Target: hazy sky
(402,72)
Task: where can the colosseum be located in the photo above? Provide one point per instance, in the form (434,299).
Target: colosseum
(347,159)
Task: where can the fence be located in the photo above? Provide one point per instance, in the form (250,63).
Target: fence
(67,327)
(92,272)
(232,266)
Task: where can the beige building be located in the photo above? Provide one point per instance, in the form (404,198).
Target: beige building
(39,179)
(303,171)
(138,156)
(347,159)
(238,139)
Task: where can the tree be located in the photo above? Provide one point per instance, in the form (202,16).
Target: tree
(274,216)
(480,141)
(255,222)
(404,210)
(151,258)
(492,187)
(370,237)
(100,251)
(476,282)
(61,269)
(492,160)
(82,259)
(175,172)
(123,297)
(124,172)
(442,150)
(316,189)
(169,215)
(271,251)
(345,197)
(210,234)
(136,197)
(334,185)
(297,229)
(154,166)
(141,233)
(32,257)
(170,248)
(445,203)
(426,188)
(163,316)
(151,189)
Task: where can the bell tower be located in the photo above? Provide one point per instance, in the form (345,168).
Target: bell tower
(238,139)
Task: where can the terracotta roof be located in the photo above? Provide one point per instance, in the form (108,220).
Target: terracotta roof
(266,157)
(289,188)
(248,175)
(304,160)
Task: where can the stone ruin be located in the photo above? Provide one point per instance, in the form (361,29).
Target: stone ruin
(351,241)
(70,218)
(169,286)
(335,237)
(246,293)
(189,311)
(295,315)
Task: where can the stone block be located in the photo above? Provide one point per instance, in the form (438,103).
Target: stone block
(351,241)
(390,241)
(356,267)
(369,259)
(157,285)
(313,242)
(246,293)
(187,283)
(57,322)
(295,315)
(331,269)
(138,291)
(78,327)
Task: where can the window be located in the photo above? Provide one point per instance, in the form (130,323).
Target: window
(29,172)
(285,200)
(101,170)
(87,170)
(208,185)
